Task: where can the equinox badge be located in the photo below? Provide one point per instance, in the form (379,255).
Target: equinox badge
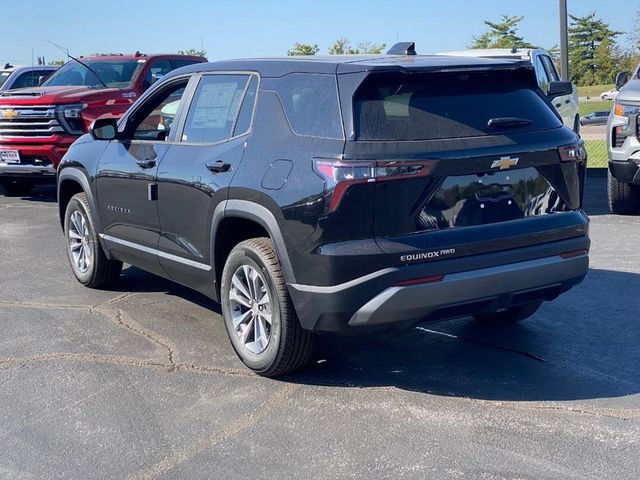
(505,163)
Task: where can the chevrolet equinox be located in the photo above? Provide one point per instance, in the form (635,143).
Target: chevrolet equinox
(346,194)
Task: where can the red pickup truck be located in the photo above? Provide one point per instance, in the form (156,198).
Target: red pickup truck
(37,125)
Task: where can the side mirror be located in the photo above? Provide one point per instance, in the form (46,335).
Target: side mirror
(557,89)
(621,79)
(104,129)
(42,78)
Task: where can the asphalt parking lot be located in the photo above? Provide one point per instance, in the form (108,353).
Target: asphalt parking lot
(141,381)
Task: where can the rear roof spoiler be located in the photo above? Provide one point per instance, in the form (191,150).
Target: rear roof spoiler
(403,48)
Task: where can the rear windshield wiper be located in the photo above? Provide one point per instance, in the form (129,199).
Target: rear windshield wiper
(507,122)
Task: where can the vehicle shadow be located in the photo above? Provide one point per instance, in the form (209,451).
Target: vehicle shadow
(595,193)
(45,193)
(582,346)
(139,281)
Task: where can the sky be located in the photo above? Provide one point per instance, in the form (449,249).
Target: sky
(252,28)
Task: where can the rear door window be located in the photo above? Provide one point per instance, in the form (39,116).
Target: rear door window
(214,108)
(550,68)
(430,106)
(541,75)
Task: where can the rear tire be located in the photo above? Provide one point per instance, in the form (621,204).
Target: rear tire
(624,198)
(88,261)
(258,314)
(510,315)
(16,187)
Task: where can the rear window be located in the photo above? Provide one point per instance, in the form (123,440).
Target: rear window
(430,106)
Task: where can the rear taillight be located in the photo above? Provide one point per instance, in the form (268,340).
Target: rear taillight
(339,175)
(573,153)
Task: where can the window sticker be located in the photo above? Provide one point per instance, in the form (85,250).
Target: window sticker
(217,103)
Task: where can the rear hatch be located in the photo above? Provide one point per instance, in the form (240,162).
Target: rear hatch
(459,163)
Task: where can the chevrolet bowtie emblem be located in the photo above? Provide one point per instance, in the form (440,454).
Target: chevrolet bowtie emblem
(505,163)
(8,114)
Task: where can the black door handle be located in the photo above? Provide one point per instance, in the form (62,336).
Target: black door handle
(148,163)
(218,166)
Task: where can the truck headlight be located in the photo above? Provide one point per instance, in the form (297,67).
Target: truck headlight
(629,115)
(625,110)
(70,117)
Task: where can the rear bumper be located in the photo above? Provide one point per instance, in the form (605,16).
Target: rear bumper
(375,302)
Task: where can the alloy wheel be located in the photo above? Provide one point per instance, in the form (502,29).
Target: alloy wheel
(250,308)
(79,245)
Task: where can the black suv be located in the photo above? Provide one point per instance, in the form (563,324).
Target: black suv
(337,194)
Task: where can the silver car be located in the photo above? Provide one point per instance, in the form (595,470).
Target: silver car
(23,77)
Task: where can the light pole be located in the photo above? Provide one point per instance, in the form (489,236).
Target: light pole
(564,41)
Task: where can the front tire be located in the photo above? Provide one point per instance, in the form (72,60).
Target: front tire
(17,187)
(258,314)
(88,261)
(510,315)
(624,198)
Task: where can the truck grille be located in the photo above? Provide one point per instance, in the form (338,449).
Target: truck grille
(32,122)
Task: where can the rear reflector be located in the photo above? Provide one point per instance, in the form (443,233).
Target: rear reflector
(575,253)
(417,281)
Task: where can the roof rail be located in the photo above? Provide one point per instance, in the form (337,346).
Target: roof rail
(403,48)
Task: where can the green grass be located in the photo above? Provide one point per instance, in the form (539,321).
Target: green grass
(597,152)
(588,107)
(593,90)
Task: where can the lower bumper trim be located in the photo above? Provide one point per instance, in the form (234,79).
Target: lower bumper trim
(496,287)
(20,170)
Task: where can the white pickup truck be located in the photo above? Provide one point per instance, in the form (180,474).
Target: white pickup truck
(623,144)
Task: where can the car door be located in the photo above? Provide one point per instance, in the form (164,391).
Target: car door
(126,179)
(564,104)
(194,175)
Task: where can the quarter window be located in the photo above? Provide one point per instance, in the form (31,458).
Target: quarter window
(214,109)
(310,102)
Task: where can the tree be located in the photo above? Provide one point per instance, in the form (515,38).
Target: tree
(57,62)
(502,34)
(194,52)
(342,46)
(370,48)
(303,49)
(634,34)
(593,52)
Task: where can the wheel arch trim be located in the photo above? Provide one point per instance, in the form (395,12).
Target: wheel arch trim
(245,209)
(79,177)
